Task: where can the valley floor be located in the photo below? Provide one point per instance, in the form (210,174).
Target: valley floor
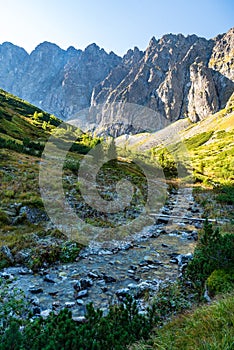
(106,272)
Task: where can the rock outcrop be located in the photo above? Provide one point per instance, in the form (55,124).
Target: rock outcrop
(176,77)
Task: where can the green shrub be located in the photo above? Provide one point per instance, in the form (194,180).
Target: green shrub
(9,193)
(171,298)
(120,327)
(4,219)
(3,262)
(71,164)
(213,251)
(220,281)
(69,251)
(44,255)
(198,140)
(12,337)
(168,164)
(28,147)
(64,252)
(226,195)
(12,305)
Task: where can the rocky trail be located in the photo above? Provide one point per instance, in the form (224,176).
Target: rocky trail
(105,272)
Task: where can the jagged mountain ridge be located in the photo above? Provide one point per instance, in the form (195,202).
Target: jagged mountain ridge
(176,76)
(56,80)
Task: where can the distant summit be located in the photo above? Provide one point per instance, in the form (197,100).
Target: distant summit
(176,76)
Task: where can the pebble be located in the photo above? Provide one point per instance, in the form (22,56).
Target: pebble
(173,261)
(35,290)
(49,279)
(62,274)
(69,304)
(109,279)
(56,304)
(92,275)
(122,292)
(82,294)
(79,319)
(53,293)
(36,310)
(148,259)
(35,301)
(152,267)
(85,283)
(45,313)
(25,271)
(7,276)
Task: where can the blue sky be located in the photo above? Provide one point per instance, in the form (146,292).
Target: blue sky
(115,25)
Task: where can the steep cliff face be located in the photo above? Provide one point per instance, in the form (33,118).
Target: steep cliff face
(176,77)
(202,96)
(222,64)
(12,61)
(56,80)
(82,74)
(42,76)
(222,58)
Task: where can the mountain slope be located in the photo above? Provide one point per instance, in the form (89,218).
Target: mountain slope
(19,120)
(181,130)
(206,147)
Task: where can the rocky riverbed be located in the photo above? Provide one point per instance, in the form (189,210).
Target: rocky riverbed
(105,272)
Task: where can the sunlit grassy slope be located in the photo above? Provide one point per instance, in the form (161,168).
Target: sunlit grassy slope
(19,119)
(207,328)
(208,145)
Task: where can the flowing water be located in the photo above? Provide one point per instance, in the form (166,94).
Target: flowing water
(105,272)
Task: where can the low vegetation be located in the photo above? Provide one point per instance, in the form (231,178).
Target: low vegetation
(206,328)
(121,326)
(214,251)
(25,128)
(168,323)
(211,267)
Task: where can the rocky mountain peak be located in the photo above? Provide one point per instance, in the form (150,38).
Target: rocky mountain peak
(222,59)
(10,49)
(46,52)
(132,56)
(46,46)
(152,42)
(170,39)
(12,61)
(92,49)
(71,49)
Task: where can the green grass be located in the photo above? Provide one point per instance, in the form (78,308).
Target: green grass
(216,202)
(198,140)
(207,328)
(24,124)
(17,122)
